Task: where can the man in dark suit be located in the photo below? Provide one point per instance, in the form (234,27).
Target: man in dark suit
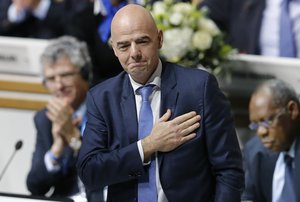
(66,68)
(275,115)
(192,163)
(253,26)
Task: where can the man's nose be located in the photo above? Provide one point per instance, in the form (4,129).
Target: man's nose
(58,83)
(262,131)
(135,52)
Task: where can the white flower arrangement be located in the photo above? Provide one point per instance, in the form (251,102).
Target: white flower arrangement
(190,37)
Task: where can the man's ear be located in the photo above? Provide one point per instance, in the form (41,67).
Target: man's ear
(293,109)
(160,39)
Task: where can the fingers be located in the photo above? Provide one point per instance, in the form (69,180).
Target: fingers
(166,116)
(190,129)
(180,119)
(190,124)
(57,109)
(187,138)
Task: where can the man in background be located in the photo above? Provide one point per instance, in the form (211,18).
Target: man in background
(48,19)
(272,159)
(66,71)
(263,27)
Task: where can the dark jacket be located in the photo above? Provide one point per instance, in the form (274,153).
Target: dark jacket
(207,168)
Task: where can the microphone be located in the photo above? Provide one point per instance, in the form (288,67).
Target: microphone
(17,147)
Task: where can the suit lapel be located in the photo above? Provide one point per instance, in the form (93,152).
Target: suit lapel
(169,92)
(169,95)
(128,107)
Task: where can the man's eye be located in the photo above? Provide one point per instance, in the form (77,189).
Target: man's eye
(123,47)
(50,78)
(143,41)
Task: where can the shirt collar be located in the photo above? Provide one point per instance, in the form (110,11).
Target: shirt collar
(80,112)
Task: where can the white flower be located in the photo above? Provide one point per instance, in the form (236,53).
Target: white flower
(159,8)
(184,8)
(190,37)
(177,43)
(202,40)
(176,18)
(209,26)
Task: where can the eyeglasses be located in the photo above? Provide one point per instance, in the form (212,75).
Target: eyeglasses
(65,77)
(266,123)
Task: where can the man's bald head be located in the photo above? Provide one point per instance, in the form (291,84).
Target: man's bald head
(136,41)
(132,15)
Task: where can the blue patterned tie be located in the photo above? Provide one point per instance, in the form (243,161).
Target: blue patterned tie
(288,192)
(147,184)
(287,45)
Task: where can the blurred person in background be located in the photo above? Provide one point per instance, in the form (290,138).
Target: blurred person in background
(272,158)
(47,19)
(43,19)
(261,27)
(94,27)
(67,71)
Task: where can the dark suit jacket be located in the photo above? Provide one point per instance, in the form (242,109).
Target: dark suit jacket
(39,180)
(260,165)
(241,20)
(207,168)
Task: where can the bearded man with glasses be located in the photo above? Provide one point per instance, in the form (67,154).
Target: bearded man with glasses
(272,158)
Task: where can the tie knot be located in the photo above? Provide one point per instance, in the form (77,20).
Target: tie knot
(288,160)
(145,91)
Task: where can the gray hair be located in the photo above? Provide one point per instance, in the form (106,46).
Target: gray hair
(67,46)
(281,92)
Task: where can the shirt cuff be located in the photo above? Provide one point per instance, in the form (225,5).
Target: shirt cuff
(49,160)
(14,15)
(42,9)
(141,151)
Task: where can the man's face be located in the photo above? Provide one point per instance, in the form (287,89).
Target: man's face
(137,47)
(64,81)
(274,125)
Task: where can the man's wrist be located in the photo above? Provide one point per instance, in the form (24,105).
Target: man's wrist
(75,143)
(148,148)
